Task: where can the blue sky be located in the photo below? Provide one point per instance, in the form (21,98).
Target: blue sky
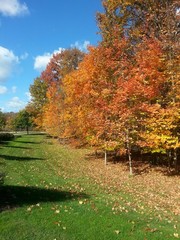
(30,32)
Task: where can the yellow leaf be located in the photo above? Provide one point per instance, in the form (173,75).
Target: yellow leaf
(176,235)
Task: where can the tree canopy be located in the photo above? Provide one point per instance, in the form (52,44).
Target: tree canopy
(124,93)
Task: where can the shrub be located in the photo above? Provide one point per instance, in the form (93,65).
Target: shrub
(6,136)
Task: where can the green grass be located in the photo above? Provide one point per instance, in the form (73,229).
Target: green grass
(46,195)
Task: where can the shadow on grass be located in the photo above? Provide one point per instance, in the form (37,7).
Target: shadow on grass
(17,196)
(24,142)
(17,147)
(16,158)
(2,143)
(38,133)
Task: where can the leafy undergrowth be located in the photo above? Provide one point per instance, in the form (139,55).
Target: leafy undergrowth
(57,192)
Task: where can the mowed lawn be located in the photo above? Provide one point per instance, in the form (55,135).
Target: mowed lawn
(54,192)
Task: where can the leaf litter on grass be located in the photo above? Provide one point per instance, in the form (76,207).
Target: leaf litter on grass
(152,191)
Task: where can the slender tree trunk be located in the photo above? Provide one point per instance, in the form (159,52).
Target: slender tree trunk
(175,161)
(129,153)
(27,129)
(169,160)
(129,159)
(105,157)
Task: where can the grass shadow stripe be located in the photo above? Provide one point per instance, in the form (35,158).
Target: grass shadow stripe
(17,196)
(17,158)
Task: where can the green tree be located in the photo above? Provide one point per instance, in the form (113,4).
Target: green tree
(23,121)
(38,93)
(2,121)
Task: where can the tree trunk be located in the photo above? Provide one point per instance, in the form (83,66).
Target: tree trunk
(169,160)
(27,129)
(105,157)
(175,161)
(129,159)
(129,153)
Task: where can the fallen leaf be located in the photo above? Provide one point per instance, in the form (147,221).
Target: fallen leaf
(176,235)
(29,209)
(151,230)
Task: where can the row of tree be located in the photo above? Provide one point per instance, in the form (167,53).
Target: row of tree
(124,94)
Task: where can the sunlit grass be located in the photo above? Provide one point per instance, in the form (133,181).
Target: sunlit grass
(47,196)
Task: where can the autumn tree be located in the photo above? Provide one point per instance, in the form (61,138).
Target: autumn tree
(151,78)
(9,120)
(59,66)
(2,121)
(124,93)
(111,91)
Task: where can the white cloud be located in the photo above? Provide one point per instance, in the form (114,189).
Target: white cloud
(81,46)
(15,104)
(14,88)
(3,89)
(41,61)
(28,95)
(13,8)
(7,61)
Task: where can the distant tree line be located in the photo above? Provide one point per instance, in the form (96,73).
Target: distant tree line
(21,121)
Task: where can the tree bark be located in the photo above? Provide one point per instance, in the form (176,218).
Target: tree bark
(129,153)
(105,157)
